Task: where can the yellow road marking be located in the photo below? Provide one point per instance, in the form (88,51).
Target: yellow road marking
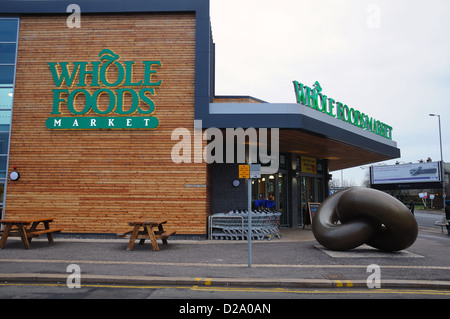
(207,281)
(254,290)
(340,284)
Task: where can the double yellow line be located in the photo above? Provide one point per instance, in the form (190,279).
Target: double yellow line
(207,287)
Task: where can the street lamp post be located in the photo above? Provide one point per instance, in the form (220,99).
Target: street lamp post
(442,159)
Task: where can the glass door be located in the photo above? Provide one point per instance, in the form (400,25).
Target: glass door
(282,199)
(258,191)
(262,192)
(307,195)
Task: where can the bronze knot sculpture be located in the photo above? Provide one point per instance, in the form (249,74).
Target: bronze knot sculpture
(357,216)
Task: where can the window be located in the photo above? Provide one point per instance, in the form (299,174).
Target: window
(6,97)
(8,29)
(4,142)
(6,74)
(8,52)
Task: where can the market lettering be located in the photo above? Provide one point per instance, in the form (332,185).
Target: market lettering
(102,122)
(313,98)
(92,89)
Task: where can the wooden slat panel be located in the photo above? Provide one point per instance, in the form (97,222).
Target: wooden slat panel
(96,181)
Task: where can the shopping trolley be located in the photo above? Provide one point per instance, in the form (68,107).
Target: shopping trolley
(233,225)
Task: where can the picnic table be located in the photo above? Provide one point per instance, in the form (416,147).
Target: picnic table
(151,229)
(27,229)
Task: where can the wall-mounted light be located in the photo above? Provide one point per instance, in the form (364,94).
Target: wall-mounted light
(14,175)
(236,183)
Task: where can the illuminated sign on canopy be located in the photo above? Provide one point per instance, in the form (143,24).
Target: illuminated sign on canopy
(96,101)
(315,99)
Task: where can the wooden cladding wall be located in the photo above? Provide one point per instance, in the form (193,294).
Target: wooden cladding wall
(95,181)
(231,99)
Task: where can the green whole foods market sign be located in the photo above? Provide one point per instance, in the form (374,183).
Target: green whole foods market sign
(98,102)
(315,99)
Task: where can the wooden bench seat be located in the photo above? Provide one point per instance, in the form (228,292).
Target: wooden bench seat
(39,232)
(34,233)
(128,233)
(142,234)
(165,234)
(147,229)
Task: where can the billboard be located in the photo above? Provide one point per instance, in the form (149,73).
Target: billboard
(408,173)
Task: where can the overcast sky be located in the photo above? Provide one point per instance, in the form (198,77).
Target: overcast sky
(387,58)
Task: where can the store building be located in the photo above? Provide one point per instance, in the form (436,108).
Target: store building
(99,108)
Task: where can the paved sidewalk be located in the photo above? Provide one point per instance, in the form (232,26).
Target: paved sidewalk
(296,260)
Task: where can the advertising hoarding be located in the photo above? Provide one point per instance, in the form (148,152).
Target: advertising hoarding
(407,173)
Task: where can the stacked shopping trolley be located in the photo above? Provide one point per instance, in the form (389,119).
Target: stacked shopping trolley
(233,225)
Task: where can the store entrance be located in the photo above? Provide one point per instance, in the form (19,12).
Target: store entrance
(311,191)
(270,192)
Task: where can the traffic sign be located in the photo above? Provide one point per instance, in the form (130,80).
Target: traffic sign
(244,171)
(255,171)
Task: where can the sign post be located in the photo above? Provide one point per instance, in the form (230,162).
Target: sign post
(249,231)
(248,172)
(424,197)
(255,172)
(244,172)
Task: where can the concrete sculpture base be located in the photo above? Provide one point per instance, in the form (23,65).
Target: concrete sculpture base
(356,216)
